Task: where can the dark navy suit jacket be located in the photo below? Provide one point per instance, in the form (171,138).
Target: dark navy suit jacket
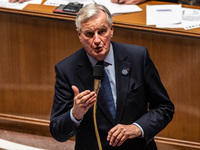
(140,87)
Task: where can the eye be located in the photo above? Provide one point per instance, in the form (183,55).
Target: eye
(89,34)
(102,32)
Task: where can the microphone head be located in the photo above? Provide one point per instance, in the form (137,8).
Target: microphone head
(98,70)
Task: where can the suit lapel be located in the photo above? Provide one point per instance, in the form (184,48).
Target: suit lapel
(122,72)
(85,71)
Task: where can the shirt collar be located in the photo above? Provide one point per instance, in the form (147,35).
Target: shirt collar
(109,58)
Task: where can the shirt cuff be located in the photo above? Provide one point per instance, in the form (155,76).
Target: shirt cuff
(73,119)
(142,136)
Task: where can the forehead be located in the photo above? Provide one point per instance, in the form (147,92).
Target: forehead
(95,22)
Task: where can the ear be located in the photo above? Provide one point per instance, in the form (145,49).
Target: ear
(79,34)
(112,30)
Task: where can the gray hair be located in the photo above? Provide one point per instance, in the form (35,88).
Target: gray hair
(89,11)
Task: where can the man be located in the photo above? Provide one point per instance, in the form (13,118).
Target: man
(134,82)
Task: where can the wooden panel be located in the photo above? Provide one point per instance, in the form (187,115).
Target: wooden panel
(30,47)
(174,144)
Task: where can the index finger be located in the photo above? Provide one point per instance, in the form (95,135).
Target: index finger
(110,133)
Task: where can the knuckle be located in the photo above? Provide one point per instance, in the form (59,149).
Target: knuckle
(118,138)
(114,135)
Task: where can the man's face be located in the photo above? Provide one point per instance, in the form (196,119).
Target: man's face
(95,36)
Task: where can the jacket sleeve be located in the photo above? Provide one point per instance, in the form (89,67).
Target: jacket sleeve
(161,109)
(61,126)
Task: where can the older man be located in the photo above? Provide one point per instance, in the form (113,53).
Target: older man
(132,78)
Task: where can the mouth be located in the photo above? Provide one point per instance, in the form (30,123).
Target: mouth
(98,49)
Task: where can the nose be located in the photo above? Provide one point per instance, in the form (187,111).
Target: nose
(97,39)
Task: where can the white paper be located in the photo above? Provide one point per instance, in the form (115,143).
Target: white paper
(163,14)
(113,8)
(118,8)
(16,5)
(190,19)
(65,2)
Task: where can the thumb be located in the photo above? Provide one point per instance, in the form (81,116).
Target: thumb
(76,90)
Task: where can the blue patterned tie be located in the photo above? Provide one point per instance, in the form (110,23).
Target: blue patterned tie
(106,88)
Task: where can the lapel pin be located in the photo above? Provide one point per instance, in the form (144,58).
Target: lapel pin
(125,71)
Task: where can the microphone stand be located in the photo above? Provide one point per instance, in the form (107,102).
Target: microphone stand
(97,74)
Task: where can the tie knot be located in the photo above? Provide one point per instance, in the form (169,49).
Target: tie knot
(100,63)
(103,63)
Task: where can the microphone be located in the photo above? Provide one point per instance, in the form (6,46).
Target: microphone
(97,75)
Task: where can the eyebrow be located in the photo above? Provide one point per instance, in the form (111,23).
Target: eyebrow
(91,30)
